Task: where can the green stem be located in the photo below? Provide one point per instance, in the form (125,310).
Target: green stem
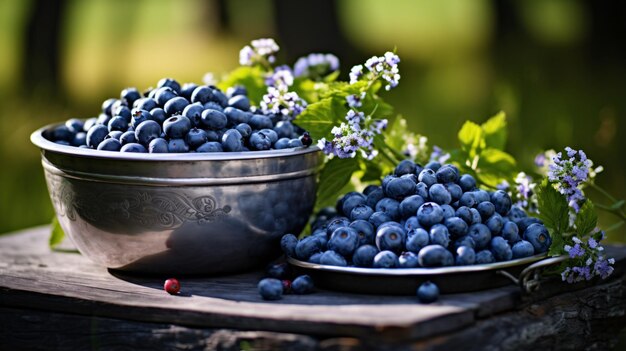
(612,210)
(614,226)
(603,192)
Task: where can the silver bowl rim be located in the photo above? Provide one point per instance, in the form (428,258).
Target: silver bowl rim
(38,139)
(417,271)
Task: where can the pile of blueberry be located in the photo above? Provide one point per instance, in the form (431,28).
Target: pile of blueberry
(428,216)
(174,118)
(279,281)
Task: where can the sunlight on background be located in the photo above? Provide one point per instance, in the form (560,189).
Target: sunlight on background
(458,63)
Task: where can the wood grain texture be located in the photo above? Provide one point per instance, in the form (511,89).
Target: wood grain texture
(57,290)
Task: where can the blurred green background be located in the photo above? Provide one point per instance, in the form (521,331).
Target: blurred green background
(557,67)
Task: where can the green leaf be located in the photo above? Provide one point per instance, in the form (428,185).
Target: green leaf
(558,243)
(320,117)
(586,219)
(617,205)
(494,166)
(494,131)
(553,209)
(333,177)
(56,233)
(471,138)
(251,78)
(373,172)
(331,77)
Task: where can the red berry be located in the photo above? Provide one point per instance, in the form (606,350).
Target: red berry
(286,286)
(172,286)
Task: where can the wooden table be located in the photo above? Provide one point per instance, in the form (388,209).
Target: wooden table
(60,300)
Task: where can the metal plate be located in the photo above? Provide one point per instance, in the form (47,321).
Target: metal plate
(404,281)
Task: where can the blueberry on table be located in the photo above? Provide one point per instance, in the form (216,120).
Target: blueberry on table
(417,239)
(539,237)
(344,240)
(481,235)
(364,256)
(232,140)
(177,146)
(522,249)
(288,244)
(405,167)
(176,127)
(147,131)
(484,257)
(467,182)
(302,285)
(158,146)
(96,134)
(435,256)
(428,292)
(408,260)
(270,289)
(429,213)
(332,258)
(465,256)
(278,271)
(391,238)
(385,259)
(502,202)
(133,147)
(111,144)
(501,249)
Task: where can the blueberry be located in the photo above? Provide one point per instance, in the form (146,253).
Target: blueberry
(139,116)
(467,182)
(456,226)
(96,134)
(421,189)
(428,292)
(214,119)
(525,222)
(236,90)
(465,256)
(411,177)
(116,134)
(439,194)
(123,111)
(270,133)
(244,129)
(391,224)
(364,230)
(130,95)
(236,116)
(196,137)
(510,232)
(411,223)
(448,211)
(75,125)
(465,241)
(239,101)
(147,131)
(128,137)
(454,190)
(260,141)
(417,239)
(177,146)
(405,167)
(362,212)
(385,259)
(90,122)
(502,202)
(465,214)
(410,205)
(439,235)
(501,249)
(468,199)
(389,206)
(133,147)
(278,271)
(408,260)
(302,285)
(175,106)
(391,238)
(103,119)
(399,188)
(429,213)
(481,235)
(307,247)
(486,209)
(447,174)
(475,216)
(332,258)
(158,146)
(315,258)
(522,249)
(106,106)
(260,122)
(375,195)
(110,145)
(270,289)
(194,113)
(232,140)
(364,256)
(539,237)
(145,104)
(435,256)
(427,176)
(481,195)
(484,256)
(344,240)
(349,202)
(434,165)
(169,82)
(163,95)
(284,129)
(386,180)
(516,213)
(293,143)
(79,139)
(62,142)
(282,143)
(219,97)
(377,218)
(63,132)
(187,89)
(336,222)
(176,127)
(202,94)
(495,224)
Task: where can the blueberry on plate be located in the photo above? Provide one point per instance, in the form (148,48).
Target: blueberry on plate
(163,95)
(270,289)
(244,129)
(481,235)
(175,106)
(502,202)
(271,134)
(363,212)
(465,256)
(177,146)
(439,235)
(429,213)
(336,222)
(405,167)
(344,240)
(284,129)
(510,232)
(133,147)
(260,122)
(516,213)
(75,125)
(376,194)
(364,256)
(128,137)
(495,224)
(293,143)
(389,206)
(399,188)
(139,116)
(526,222)
(239,101)
(194,113)
(169,82)
(522,249)
(147,131)
(468,199)
(210,146)
(408,260)
(260,141)
(434,165)
(447,174)
(456,226)
(282,143)
(385,259)
(96,134)
(417,239)
(435,256)
(501,249)
(465,241)
(232,141)
(539,237)
(130,95)
(145,104)
(196,137)
(332,258)
(315,258)
(391,238)
(236,90)
(79,139)
(288,244)
(302,285)
(306,247)
(484,256)
(187,89)
(158,146)
(349,202)
(428,292)
(427,176)
(202,94)
(111,144)
(486,209)
(467,182)
(455,191)
(378,218)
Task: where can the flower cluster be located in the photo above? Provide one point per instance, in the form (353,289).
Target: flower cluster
(260,51)
(349,138)
(587,260)
(416,147)
(570,175)
(315,66)
(281,78)
(385,67)
(439,155)
(525,191)
(355,101)
(282,102)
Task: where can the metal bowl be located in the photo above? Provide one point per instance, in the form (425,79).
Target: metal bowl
(204,213)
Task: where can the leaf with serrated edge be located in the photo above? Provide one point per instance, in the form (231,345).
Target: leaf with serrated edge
(553,209)
(333,177)
(586,219)
(471,138)
(495,132)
